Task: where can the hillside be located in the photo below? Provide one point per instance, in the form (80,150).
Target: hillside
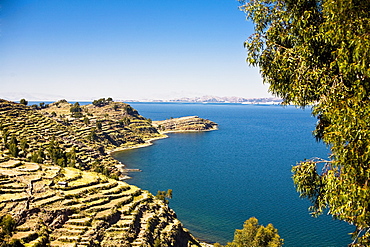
(59,187)
(184,124)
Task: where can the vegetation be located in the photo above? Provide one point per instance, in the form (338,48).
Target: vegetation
(76,110)
(99,125)
(124,121)
(23,102)
(38,157)
(130,110)
(74,207)
(192,123)
(164,196)
(24,145)
(7,225)
(316,53)
(13,146)
(86,121)
(102,102)
(55,203)
(255,235)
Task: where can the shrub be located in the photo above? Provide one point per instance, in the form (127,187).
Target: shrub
(23,102)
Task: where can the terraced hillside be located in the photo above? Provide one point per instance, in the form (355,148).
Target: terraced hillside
(107,125)
(52,135)
(68,207)
(185,124)
(53,184)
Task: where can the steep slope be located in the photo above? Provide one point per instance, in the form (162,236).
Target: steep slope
(109,125)
(52,182)
(69,207)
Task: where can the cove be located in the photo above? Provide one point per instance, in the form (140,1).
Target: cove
(221,178)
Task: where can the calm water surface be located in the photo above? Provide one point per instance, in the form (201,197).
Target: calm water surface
(222,178)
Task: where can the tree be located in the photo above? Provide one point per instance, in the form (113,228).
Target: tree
(7,226)
(23,102)
(130,110)
(71,157)
(76,110)
(102,102)
(98,124)
(164,195)
(24,145)
(14,140)
(86,121)
(5,136)
(56,154)
(13,146)
(317,52)
(92,135)
(38,157)
(126,121)
(13,150)
(255,235)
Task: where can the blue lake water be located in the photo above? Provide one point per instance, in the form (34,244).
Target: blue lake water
(222,178)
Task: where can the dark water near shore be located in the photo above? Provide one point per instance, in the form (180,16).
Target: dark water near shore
(221,178)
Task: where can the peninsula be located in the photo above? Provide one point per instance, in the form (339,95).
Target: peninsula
(60,187)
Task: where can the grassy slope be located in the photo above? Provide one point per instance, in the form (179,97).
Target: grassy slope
(63,201)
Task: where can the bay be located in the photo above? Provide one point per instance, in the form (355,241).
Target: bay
(221,178)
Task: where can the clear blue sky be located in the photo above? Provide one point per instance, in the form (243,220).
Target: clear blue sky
(125,49)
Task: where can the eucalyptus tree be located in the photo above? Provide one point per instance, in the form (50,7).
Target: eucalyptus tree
(254,234)
(317,53)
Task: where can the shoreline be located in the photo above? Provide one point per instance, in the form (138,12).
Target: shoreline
(147,143)
(150,141)
(187,131)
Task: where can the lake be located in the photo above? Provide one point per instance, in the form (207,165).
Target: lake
(222,178)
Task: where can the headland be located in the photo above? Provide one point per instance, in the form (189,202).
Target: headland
(60,185)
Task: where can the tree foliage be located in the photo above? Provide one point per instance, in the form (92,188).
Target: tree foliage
(23,102)
(57,155)
(99,124)
(7,225)
(317,52)
(92,135)
(130,110)
(86,121)
(254,235)
(76,110)
(38,157)
(102,102)
(24,144)
(164,195)
(13,146)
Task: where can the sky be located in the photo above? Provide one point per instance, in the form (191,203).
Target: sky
(125,49)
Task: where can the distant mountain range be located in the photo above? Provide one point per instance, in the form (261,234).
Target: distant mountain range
(216,99)
(204,99)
